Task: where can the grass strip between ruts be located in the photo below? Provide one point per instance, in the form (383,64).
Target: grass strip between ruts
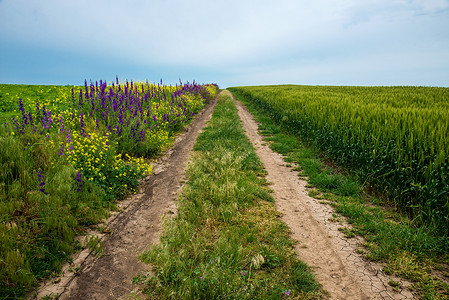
(406,251)
(227,240)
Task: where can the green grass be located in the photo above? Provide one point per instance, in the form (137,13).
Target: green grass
(407,251)
(227,241)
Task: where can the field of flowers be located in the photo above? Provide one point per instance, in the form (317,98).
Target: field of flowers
(67,154)
(394,138)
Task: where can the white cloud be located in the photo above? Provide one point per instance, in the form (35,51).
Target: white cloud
(232,34)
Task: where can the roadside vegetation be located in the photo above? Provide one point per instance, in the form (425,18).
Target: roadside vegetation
(227,240)
(408,247)
(67,154)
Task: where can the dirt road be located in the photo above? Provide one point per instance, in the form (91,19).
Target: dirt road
(132,230)
(332,257)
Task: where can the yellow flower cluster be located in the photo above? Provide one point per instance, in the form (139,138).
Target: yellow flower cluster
(88,154)
(212,89)
(138,162)
(158,138)
(93,156)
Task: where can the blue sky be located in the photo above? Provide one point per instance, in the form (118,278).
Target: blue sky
(232,42)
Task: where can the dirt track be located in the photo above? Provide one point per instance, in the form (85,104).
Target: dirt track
(132,230)
(332,257)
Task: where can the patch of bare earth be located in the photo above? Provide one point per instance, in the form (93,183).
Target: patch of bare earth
(334,259)
(129,232)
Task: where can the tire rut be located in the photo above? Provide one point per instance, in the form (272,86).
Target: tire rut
(334,259)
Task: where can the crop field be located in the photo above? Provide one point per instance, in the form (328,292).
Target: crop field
(67,154)
(394,138)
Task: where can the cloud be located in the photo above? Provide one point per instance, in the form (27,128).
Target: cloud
(228,35)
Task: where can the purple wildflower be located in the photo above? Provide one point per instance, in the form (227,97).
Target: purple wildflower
(82,124)
(41,182)
(49,120)
(44,117)
(22,109)
(30,117)
(61,124)
(61,150)
(26,144)
(79,182)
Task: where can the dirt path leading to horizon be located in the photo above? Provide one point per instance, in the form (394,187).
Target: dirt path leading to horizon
(333,258)
(132,230)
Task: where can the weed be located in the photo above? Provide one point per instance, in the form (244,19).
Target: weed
(95,244)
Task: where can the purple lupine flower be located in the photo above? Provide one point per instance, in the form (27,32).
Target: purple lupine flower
(82,124)
(79,182)
(22,109)
(49,120)
(41,182)
(142,135)
(61,150)
(69,138)
(26,144)
(86,95)
(44,118)
(61,124)
(37,109)
(120,116)
(80,101)
(30,117)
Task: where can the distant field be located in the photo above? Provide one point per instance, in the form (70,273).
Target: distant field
(53,97)
(394,138)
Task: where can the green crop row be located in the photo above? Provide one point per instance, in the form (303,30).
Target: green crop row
(394,138)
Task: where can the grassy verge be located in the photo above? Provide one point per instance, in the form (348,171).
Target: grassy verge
(67,157)
(406,251)
(227,240)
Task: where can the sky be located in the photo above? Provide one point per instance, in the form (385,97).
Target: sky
(228,42)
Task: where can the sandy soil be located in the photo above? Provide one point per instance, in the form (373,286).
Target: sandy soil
(137,225)
(333,258)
